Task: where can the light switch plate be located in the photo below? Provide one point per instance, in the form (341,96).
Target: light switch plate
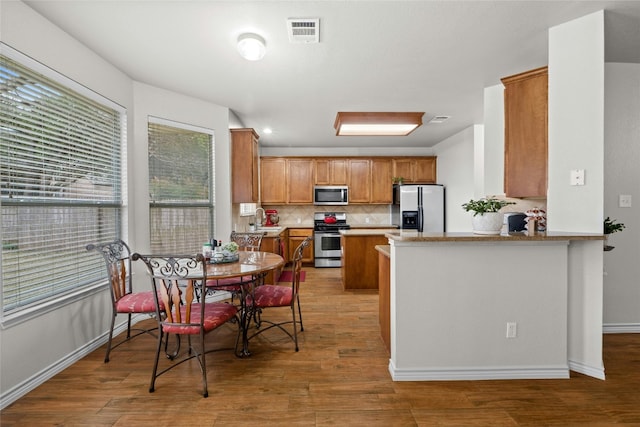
(577,177)
(624,200)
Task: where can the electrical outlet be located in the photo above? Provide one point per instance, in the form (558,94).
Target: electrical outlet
(512,329)
(577,177)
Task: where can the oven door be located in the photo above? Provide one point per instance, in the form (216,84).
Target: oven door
(327,251)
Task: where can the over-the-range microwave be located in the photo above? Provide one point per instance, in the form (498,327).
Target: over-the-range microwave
(330,195)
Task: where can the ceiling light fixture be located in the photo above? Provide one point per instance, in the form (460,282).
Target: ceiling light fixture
(376,124)
(251,46)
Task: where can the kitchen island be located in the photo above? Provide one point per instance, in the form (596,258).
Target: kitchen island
(360,258)
(465,306)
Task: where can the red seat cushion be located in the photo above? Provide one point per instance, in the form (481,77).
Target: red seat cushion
(215,314)
(137,302)
(271,296)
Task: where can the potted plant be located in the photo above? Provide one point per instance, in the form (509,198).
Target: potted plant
(398,180)
(611,226)
(487,218)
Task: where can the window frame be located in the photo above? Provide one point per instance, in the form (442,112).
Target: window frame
(211,203)
(60,298)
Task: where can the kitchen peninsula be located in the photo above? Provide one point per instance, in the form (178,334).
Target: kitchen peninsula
(465,306)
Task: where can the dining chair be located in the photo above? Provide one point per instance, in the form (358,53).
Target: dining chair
(117,258)
(273,296)
(246,242)
(175,281)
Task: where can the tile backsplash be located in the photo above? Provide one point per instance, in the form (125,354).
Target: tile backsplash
(291,215)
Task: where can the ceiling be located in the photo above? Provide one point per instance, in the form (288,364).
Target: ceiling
(431,56)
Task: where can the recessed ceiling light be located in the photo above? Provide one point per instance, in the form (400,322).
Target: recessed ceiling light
(251,46)
(376,124)
(268,131)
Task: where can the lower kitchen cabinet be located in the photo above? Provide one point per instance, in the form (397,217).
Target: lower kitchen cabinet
(360,259)
(297,236)
(384,293)
(277,245)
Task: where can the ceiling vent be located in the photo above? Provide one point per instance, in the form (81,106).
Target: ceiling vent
(439,119)
(303,30)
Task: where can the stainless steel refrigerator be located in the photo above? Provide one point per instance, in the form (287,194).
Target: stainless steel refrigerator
(418,207)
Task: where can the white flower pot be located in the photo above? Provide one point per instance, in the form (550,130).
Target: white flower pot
(487,223)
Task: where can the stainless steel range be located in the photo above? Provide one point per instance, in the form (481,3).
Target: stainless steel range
(326,238)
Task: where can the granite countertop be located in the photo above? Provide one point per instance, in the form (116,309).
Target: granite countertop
(368,231)
(384,249)
(365,225)
(414,236)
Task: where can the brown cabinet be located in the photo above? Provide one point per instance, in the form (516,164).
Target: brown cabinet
(299,181)
(384,293)
(415,170)
(244,166)
(331,172)
(286,180)
(360,260)
(359,181)
(381,188)
(290,180)
(276,245)
(297,236)
(273,176)
(525,139)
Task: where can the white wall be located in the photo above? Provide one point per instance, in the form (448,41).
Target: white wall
(493,178)
(576,124)
(622,176)
(35,350)
(164,104)
(576,139)
(46,344)
(456,171)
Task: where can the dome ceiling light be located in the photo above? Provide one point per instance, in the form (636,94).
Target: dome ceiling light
(251,46)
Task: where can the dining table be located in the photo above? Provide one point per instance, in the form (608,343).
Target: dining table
(252,266)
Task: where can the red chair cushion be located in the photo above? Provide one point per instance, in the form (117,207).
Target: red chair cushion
(138,302)
(271,296)
(215,314)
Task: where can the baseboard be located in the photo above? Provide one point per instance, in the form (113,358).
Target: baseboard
(595,372)
(15,393)
(621,328)
(464,374)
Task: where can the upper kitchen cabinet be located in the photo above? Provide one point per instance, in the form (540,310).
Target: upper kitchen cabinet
(244,166)
(525,142)
(415,170)
(381,188)
(360,181)
(300,177)
(286,180)
(273,178)
(331,172)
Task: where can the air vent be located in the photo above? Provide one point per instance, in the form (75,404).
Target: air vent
(303,30)
(439,119)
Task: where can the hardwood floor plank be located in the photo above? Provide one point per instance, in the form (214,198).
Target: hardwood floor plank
(339,377)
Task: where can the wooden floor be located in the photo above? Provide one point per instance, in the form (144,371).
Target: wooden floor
(339,378)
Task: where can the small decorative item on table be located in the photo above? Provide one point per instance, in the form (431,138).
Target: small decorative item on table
(225,254)
(536,221)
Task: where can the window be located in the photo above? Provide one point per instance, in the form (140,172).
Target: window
(181,190)
(60,164)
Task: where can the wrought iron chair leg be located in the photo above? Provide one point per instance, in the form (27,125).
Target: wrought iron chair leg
(113,322)
(299,312)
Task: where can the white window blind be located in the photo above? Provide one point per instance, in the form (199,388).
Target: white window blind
(60,164)
(181,187)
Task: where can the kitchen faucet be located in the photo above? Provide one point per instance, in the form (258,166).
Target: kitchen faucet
(260,219)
